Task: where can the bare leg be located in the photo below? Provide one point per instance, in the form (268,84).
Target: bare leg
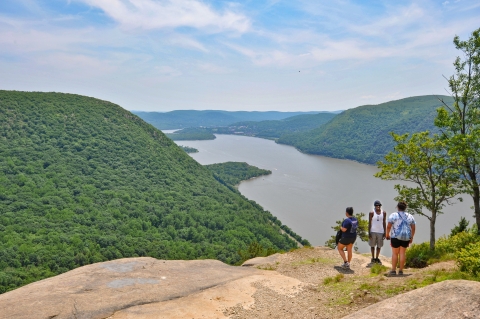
(373,251)
(395,252)
(341,252)
(402,257)
(349,250)
(378,251)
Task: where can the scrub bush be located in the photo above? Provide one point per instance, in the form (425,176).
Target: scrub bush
(468,259)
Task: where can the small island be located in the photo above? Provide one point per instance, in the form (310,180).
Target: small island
(188,149)
(232,173)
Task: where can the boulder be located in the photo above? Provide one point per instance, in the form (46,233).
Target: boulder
(141,288)
(450,299)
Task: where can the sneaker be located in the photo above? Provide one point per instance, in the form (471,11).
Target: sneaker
(392,273)
(346,265)
(378,261)
(400,272)
(373,260)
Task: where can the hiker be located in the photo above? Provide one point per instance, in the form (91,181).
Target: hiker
(400,229)
(376,230)
(349,234)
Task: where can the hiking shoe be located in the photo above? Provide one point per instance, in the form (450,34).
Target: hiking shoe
(373,261)
(378,261)
(392,273)
(400,272)
(346,265)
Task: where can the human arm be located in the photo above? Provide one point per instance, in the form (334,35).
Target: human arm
(412,226)
(387,235)
(384,223)
(370,216)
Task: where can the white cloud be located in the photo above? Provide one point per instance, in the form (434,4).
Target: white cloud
(152,14)
(186,42)
(212,68)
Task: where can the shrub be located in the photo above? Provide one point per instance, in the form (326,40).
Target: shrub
(450,245)
(468,259)
(417,255)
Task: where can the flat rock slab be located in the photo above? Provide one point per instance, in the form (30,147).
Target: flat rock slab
(452,299)
(100,290)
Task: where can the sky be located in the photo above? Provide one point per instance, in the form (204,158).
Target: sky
(261,55)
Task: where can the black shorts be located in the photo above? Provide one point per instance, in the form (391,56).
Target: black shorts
(347,241)
(395,243)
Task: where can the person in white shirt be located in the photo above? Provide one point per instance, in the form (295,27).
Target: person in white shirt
(376,230)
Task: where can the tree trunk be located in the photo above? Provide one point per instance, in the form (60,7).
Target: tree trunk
(432,230)
(476,205)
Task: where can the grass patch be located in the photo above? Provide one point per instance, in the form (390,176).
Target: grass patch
(269,266)
(334,279)
(378,269)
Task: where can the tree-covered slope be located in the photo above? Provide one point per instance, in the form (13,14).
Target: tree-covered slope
(191,118)
(362,133)
(275,129)
(83,180)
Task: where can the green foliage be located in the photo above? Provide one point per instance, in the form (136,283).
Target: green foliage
(189,118)
(275,129)
(420,255)
(191,134)
(468,259)
(333,280)
(255,249)
(362,133)
(188,149)
(461,227)
(83,180)
(377,269)
(460,122)
(232,173)
(362,230)
(421,160)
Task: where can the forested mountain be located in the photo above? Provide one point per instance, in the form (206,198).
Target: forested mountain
(275,128)
(192,134)
(362,133)
(182,119)
(83,180)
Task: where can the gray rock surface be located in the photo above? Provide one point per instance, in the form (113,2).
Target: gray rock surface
(451,299)
(100,290)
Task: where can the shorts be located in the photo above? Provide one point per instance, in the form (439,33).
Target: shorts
(376,240)
(395,243)
(347,241)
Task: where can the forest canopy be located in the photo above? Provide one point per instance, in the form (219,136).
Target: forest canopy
(83,180)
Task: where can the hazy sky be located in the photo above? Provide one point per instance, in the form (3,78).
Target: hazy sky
(295,55)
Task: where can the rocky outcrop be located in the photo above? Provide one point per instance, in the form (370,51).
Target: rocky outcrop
(452,299)
(141,288)
(305,283)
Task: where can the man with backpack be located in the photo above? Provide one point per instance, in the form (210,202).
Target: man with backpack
(376,230)
(349,234)
(400,229)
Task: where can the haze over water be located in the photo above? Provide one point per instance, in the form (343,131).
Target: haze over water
(309,193)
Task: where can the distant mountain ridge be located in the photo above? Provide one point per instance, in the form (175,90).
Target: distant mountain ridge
(362,133)
(192,118)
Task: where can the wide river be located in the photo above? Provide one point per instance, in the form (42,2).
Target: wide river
(309,193)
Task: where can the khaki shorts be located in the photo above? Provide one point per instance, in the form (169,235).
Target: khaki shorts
(376,240)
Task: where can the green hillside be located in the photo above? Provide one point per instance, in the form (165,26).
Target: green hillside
(275,129)
(190,118)
(362,133)
(191,134)
(83,180)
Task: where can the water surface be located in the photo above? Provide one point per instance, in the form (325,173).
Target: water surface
(309,193)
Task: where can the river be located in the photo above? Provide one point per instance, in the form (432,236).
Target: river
(309,193)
